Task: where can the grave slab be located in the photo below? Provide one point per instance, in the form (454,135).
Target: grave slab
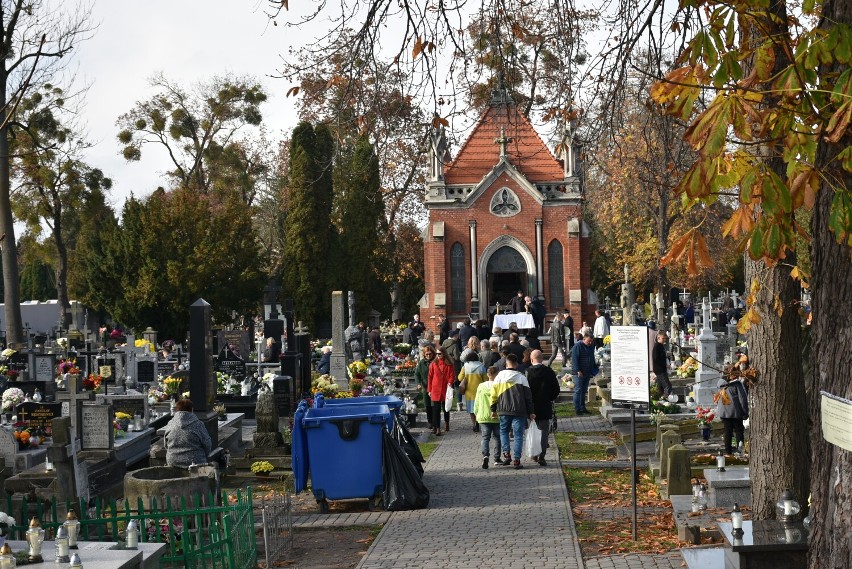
(729,487)
(101,555)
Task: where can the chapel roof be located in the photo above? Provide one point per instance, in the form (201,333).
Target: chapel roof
(527,151)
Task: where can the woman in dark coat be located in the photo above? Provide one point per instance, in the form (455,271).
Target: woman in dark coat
(732,408)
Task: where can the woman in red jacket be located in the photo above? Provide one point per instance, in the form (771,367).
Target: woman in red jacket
(441,375)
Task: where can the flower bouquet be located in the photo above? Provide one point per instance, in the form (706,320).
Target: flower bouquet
(171,387)
(12,374)
(705,416)
(402,350)
(6,521)
(8,353)
(11,398)
(262,467)
(689,368)
(156,395)
(93,383)
(357,370)
(356,385)
(325,384)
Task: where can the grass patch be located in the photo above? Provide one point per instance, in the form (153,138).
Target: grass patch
(565,409)
(426,449)
(588,485)
(570,449)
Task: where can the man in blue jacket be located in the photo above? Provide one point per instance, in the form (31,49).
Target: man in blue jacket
(585,368)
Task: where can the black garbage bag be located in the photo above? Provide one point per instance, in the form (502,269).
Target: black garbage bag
(403,437)
(403,488)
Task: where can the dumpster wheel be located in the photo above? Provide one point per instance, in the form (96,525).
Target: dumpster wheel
(323,506)
(376,503)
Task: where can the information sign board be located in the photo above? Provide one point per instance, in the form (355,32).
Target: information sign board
(630,381)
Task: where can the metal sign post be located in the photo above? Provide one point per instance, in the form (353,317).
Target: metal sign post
(630,384)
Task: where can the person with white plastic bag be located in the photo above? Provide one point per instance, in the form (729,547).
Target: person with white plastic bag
(532,441)
(511,398)
(439,382)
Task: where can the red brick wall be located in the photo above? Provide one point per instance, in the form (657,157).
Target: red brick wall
(488,228)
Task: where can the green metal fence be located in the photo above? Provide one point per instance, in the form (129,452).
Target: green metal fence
(198,533)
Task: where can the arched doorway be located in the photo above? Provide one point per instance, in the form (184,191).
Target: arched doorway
(506,265)
(505,275)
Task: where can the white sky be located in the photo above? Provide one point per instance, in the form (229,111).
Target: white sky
(189,41)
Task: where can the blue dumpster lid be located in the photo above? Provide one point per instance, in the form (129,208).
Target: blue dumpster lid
(372,413)
(391,401)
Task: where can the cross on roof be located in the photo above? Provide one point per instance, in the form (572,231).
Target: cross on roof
(503,141)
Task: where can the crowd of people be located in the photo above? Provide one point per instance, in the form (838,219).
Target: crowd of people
(502,383)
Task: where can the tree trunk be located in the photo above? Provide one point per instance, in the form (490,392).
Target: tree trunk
(778,438)
(11,282)
(62,299)
(778,410)
(396,301)
(831,466)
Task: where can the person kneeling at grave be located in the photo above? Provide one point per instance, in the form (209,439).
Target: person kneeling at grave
(187,441)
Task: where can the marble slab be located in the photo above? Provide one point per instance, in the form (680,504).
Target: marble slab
(100,555)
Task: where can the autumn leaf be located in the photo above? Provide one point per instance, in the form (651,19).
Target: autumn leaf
(293,91)
(418,47)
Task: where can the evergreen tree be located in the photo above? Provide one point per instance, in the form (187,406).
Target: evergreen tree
(307,229)
(360,215)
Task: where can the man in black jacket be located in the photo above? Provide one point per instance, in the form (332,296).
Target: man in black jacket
(518,304)
(545,390)
(660,365)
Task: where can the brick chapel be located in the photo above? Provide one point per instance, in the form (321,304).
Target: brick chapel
(504,215)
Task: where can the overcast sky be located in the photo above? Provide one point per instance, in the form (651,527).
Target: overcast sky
(189,41)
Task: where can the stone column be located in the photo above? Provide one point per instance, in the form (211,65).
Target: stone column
(338,324)
(539,258)
(706,377)
(202,378)
(661,311)
(474,269)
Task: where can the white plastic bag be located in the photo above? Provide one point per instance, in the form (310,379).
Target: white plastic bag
(450,399)
(532,440)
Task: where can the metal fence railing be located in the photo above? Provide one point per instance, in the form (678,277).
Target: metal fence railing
(277,518)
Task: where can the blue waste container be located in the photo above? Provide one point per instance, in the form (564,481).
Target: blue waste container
(393,402)
(344,444)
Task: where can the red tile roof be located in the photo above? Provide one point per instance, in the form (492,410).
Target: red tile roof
(527,151)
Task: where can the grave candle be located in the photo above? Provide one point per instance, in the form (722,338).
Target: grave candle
(737,521)
(132,535)
(35,539)
(720,462)
(72,525)
(62,545)
(7,558)
(75,562)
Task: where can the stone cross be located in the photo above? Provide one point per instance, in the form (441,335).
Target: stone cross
(706,316)
(74,397)
(503,141)
(301,328)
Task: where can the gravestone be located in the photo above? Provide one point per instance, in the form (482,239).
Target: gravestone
(8,447)
(231,364)
(667,441)
(662,428)
(202,378)
(724,489)
(679,479)
(96,426)
(338,353)
(266,415)
(706,377)
(131,404)
(45,367)
(146,369)
(282,386)
(72,398)
(239,339)
(39,415)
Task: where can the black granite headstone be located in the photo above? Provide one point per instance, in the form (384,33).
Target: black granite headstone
(38,415)
(282,389)
(146,371)
(202,379)
(229,363)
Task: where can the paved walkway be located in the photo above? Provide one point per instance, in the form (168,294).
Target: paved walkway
(491,519)
(499,517)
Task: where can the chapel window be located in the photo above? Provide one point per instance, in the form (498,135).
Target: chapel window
(458,294)
(554,275)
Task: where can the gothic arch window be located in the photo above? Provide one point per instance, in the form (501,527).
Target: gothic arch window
(458,294)
(554,275)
